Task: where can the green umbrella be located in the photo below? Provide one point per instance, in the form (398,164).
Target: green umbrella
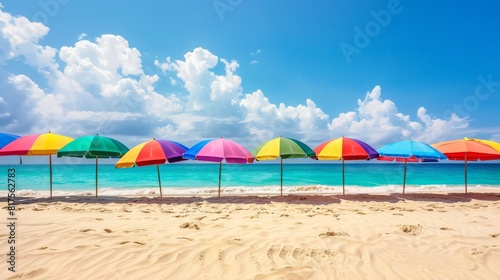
(283,148)
(94,146)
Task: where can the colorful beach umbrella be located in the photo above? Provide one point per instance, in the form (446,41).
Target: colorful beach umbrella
(219,150)
(493,144)
(153,152)
(344,148)
(94,146)
(6,138)
(469,149)
(409,151)
(283,148)
(45,144)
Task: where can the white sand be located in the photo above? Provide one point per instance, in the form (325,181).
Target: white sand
(416,236)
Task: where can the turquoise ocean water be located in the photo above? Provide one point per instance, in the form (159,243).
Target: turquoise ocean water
(259,177)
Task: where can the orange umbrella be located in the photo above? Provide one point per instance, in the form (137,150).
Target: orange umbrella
(468,149)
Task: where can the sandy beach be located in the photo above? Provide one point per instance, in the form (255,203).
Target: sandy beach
(381,236)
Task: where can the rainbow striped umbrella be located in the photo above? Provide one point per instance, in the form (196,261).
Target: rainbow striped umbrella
(345,149)
(218,150)
(6,138)
(283,148)
(45,144)
(153,152)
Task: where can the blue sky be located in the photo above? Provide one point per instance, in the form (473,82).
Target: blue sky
(251,70)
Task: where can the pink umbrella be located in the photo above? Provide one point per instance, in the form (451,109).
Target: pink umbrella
(218,150)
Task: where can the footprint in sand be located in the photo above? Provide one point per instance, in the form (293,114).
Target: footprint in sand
(495,235)
(333,233)
(301,254)
(190,226)
(187,238)
(107,230)
(411,229)
(445,228)
(86,230)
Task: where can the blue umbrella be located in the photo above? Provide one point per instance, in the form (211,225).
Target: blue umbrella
(6,138)
(409,151)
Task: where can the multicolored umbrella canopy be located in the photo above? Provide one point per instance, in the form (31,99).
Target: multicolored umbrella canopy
(469,149)
(6,138)
(409,151)
(94,146)
(36,145)
(45,144)
(493,144)
(153,152)
(219,150)
(345,149)
(283,148)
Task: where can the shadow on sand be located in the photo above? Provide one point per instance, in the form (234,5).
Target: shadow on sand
(307,199)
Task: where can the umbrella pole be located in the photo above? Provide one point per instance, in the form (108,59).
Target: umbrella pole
(404,180)
(96,173)
(465,171)
(343,185)
(281,176)
(159,179)
(50,167)
(220,172)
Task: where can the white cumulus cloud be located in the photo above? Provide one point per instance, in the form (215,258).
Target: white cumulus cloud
(99,86)
(265,118)
(19,38)
(379,121)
